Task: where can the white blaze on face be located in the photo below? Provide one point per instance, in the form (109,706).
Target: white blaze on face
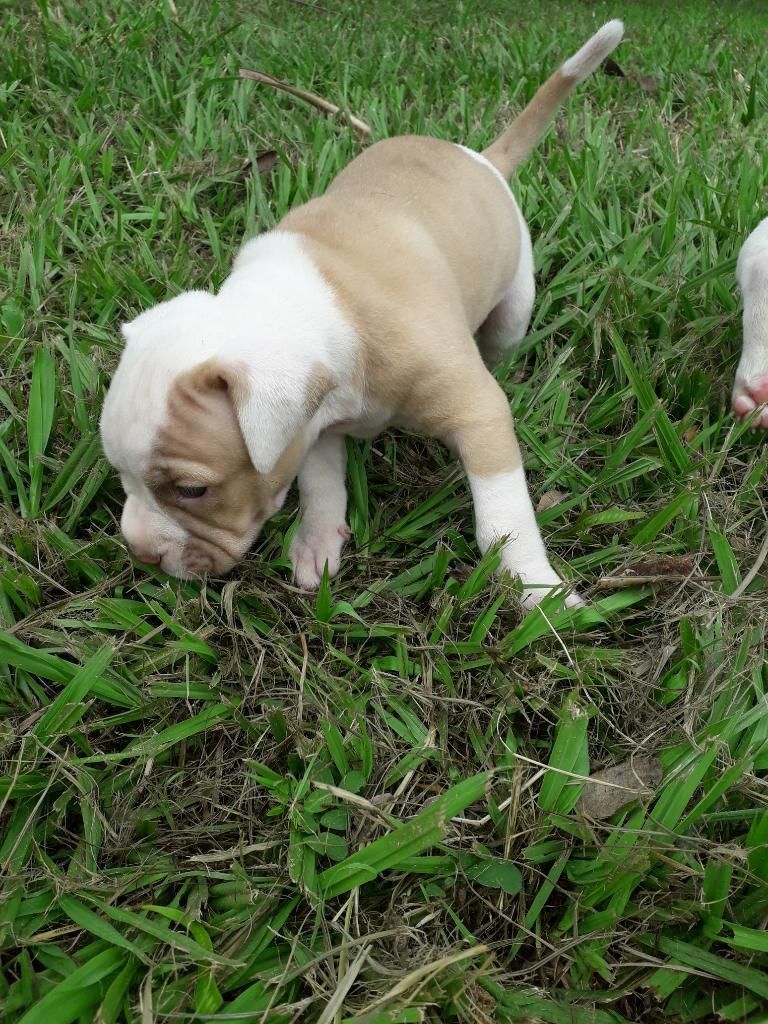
(131,418)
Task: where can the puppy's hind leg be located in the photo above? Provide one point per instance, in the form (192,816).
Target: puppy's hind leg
(507,323)
(323,499)
(480,429)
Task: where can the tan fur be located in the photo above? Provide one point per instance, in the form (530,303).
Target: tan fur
(513,147)
(201,444)
(447,244)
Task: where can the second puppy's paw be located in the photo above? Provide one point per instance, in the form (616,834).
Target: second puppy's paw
(749,395)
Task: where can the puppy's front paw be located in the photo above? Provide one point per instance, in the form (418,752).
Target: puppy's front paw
(312,547)
(750,395)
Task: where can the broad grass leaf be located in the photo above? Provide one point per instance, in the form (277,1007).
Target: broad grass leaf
(496,873)
(40,414)
(96,925)
(69,705)
(559,792)
(70,998)
(160,931)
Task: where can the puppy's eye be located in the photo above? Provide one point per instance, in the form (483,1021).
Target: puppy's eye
(190,492)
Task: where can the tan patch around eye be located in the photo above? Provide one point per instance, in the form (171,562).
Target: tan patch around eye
(201,441)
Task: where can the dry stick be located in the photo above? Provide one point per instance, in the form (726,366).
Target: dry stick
(234,853)
(318,102)
(622,582)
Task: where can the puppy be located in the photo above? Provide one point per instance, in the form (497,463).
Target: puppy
(381,302)
(750,389)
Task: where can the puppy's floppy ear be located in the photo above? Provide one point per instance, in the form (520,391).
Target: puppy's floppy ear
(271,408)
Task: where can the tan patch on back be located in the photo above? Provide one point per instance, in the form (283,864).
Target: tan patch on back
(419,241)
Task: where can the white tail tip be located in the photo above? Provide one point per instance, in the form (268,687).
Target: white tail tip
(594,51)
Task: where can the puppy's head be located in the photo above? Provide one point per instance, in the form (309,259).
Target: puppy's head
(206,435)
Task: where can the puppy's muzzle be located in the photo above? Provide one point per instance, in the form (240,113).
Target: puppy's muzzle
(152,537)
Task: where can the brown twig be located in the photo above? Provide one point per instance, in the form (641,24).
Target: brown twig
(318,102)
(622,582)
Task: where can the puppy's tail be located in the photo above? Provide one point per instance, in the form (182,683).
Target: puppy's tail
(515,145)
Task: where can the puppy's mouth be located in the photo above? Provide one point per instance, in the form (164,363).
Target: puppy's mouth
(201,553)
(180,571)
(197,571)
(211,555)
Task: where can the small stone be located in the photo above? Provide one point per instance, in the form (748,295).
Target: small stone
(639,777)
(549,499)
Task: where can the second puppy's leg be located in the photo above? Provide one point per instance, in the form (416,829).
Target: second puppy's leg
(323,499)
(750,389)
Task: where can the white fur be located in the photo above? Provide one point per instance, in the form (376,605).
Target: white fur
(503,509)
(750,389)
(248,322)
(594,51)
(507,323)
(151,534)
(323,499)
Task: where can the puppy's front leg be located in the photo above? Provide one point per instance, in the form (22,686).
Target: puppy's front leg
(323,499)
(484,437)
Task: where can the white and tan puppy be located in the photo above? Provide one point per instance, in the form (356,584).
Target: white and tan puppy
(379,303)
(750,389)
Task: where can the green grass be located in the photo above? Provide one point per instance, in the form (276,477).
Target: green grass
(235,802)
